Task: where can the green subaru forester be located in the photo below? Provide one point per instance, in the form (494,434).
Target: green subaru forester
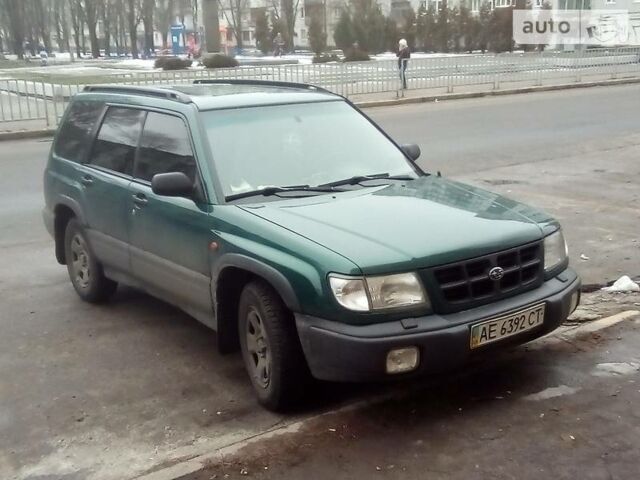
(287,221)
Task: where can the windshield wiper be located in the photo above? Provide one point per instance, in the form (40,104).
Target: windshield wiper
(361,178)
(267,191)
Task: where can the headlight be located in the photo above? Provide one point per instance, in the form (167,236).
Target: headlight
(377,293)
(350,293)
(555,250)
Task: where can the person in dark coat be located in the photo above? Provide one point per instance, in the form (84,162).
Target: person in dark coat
(404,54)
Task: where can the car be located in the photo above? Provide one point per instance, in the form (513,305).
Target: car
(285,219)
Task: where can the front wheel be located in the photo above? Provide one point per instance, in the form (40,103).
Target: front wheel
(85,272)
(270,347)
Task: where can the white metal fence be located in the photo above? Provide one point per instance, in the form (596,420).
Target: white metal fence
(46,100)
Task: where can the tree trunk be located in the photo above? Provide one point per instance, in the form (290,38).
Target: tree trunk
(91,13)
(122,20)
(105,14)
(212,25)
(147,21)
(290,12)
(57,21)
(15,11)
(42,24)
(133,27)
(236,17)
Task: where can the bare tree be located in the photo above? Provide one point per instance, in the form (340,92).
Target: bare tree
(232,10)
(133,20)
(42,22)
(164,17)
(16,26)
(121,26)
(290,13)
(287,12)
(148,8)
(77,23)
(91,16)
(61,20)
(104,15)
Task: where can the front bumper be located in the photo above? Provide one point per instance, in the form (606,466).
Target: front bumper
(340,352)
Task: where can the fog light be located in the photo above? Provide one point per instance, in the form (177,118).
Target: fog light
(575,299)
(402,360)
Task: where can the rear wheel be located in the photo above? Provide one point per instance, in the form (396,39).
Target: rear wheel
(270,347)
(85,272)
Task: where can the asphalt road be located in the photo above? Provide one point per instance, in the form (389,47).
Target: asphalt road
(573,153)
(110,391)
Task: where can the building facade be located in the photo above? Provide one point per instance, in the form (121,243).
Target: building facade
(327,10)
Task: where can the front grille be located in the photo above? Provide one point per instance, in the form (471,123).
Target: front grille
(466,284)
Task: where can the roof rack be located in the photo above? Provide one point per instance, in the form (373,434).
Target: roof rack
(137,90)
(266,83)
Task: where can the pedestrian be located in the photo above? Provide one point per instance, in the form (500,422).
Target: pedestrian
(404,54)
(278,43)
(44,58)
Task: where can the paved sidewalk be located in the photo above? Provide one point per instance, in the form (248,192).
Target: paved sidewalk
(560,410)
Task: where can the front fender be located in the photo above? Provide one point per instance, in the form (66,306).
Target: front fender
(277,280)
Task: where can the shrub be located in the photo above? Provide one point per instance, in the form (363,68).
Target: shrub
(326,58)
(317,36)
(172,63)
(217,60)
(356,55)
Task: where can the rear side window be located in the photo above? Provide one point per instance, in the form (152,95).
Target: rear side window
(165,147)
(115,145)
(74,137)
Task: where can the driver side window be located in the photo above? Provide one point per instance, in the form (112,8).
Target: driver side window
(165,147)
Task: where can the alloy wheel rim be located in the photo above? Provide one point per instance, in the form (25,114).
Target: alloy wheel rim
(258,349)
(80,262)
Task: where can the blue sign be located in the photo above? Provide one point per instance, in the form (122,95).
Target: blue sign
(176,33)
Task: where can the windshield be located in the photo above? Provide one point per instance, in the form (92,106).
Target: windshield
(302,144)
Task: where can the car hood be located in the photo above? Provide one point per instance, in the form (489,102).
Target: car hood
(426,222)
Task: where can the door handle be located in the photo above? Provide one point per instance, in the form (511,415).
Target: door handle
(140,199)
(87,180)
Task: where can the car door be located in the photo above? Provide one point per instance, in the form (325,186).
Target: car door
(105,180)
(170,236)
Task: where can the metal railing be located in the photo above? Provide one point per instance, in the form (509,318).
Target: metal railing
(45,100)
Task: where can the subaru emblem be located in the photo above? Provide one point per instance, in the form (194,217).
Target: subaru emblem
(496,273)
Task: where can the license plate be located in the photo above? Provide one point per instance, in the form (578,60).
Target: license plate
(506,326)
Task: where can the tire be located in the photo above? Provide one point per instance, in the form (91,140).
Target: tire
(85,272)
(271,348)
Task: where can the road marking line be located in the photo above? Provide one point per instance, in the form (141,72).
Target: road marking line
(197,463)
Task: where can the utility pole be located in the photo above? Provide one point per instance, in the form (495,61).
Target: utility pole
(211,22)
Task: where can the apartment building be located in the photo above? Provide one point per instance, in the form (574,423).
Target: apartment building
(327,10)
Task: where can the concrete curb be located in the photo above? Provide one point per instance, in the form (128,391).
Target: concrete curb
(492,93)
(28,134)
(199,462)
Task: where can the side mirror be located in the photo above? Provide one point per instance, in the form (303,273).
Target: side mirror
(412,151)
(172,184)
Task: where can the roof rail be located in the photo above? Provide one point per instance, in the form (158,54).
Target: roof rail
(266,83)
(137,90)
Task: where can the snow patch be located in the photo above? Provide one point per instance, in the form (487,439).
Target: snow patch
(614,369)
(551,392)
(623,284)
